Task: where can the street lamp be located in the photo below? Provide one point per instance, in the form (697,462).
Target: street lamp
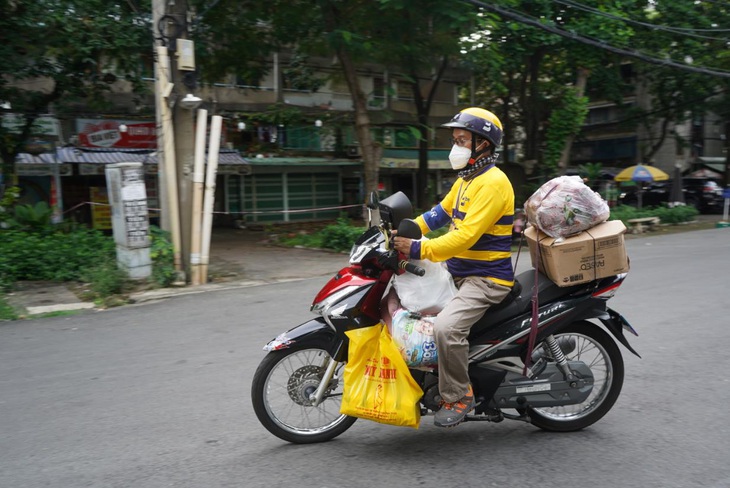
(190,102)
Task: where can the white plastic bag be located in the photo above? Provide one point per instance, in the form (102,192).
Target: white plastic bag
(413,336)
(428,293)
(565,206)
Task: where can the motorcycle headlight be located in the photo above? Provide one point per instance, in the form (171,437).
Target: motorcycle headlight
(321,307)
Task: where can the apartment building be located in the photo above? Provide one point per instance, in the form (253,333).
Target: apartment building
(289,152)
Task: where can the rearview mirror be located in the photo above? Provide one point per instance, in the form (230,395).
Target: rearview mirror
(410,229)
(373,201)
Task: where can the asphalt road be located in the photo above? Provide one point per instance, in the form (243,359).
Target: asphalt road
(157,395)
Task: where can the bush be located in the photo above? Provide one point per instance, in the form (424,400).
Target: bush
(162,254)
(51,256)
(6,311)
(674,215)
(105,278)
(339,236)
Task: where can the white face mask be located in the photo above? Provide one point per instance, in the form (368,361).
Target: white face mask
(459,156)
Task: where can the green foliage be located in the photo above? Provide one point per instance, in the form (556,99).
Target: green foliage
(565,121)
(299,75)
(79,48)
(105,278)
(162,254)
(7,202)
(32,218)
(339,236)
(592,171)
(674,215)
(6,311)
(52,256)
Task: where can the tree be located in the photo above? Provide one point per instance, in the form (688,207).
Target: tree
(635,32)
(58,52)
(421,40)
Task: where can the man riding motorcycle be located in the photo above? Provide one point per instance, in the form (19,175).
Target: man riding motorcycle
(477,249)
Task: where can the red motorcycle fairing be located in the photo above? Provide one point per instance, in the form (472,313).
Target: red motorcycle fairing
(350,276)
(312,330)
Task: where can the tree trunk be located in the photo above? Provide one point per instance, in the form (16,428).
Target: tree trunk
(423,109)
(368,147)
(532,107)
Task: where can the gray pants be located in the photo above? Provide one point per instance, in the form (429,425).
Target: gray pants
(451,330)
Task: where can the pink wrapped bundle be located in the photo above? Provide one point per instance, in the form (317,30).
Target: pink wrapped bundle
(565,206)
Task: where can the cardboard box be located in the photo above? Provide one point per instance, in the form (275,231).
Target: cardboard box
(595,253)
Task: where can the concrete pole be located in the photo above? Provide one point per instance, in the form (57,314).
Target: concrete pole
(184,138)
(209,198)
(163,75)
(198,180)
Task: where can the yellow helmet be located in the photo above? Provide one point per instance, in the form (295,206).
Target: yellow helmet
(480,122)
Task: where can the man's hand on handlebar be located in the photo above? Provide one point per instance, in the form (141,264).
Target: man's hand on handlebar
(402,245)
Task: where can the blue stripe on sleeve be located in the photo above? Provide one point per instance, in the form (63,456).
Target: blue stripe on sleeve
(415,250)
(436,218)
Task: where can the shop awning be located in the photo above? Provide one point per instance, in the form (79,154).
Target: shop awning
(226,157)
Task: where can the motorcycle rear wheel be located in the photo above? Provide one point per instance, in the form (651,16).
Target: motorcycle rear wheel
(599,351)
(280,395)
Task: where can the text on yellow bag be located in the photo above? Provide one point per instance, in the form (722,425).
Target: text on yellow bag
(377,383)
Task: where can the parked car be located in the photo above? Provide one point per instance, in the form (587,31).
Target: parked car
(703,194)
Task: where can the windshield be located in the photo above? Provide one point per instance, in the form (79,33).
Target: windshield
(371,239)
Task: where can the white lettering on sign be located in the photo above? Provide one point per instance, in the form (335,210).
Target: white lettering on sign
(104,138)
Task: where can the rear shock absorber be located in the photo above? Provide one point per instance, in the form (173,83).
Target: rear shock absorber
(557,353)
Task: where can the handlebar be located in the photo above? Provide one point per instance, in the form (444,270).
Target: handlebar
(390,259)
(412,268)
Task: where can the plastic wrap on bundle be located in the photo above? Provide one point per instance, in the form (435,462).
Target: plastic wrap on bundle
(565,206)
(413,336)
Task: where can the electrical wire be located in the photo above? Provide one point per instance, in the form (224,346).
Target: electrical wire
(519,17)
(674,30)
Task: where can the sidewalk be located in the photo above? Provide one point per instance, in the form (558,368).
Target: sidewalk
(239,258)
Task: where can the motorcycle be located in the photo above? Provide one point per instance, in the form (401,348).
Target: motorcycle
(571,379)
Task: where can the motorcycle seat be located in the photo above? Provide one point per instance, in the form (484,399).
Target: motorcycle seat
(519,299)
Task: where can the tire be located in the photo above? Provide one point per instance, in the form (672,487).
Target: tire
(280,390)
(597,349)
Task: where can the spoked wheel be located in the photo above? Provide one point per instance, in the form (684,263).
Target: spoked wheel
(599,352)
(281,391)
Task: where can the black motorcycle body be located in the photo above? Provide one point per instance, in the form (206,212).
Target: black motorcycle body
(571,379)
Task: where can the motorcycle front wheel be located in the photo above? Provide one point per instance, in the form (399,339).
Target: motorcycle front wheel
(280,393)
(595,348)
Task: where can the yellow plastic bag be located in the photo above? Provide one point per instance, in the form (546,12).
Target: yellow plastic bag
(377,383)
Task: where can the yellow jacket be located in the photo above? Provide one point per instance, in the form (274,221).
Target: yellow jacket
(480,212)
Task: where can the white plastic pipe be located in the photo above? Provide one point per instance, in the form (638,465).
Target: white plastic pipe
(197,207)
(209,199)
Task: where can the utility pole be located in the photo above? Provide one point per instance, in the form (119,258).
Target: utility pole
(158,11)
(176,79)
(183,75)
